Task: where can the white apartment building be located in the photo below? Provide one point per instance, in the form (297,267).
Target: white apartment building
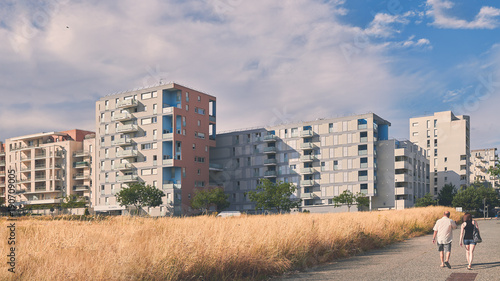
(322,158)
(160,136)
(49,166)
(3,181)
(446,138)
(481,161)
(403,174)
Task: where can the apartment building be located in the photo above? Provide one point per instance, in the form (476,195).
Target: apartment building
(159,135)
(49,166)
(446,138)
(403,170)
(3,178)
(481,161)
(322,158)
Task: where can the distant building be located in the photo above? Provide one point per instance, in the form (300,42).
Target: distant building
(481,161)
(3,181)
(49,166)
(159,135)
(322,158)
(403,170)
(446,138)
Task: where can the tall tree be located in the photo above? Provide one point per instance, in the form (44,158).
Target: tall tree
(140,195)
(202,199)
(425,201)
(446,194)
(274,196)
(349,199)
(471,198)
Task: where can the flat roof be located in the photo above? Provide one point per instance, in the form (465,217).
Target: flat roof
(36,136)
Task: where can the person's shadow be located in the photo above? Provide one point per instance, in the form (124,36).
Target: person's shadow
(483,265)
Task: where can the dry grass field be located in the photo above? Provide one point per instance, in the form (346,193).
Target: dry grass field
(201,248)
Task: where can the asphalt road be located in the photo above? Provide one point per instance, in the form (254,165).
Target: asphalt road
(415,259)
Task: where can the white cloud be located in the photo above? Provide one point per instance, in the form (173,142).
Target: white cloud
(384,25)
(487,18)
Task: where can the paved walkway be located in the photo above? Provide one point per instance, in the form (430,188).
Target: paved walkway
(416,259)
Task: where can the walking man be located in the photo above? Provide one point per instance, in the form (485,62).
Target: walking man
(443,231)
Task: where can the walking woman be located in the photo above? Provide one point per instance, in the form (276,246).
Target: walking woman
(467,239)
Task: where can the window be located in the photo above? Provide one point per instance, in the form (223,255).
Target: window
(187,97)
(414,124)
(183,121)
(335,165)
(187,107)
(145,121)
(199,110)
(199,123)
(106,104)
(428,123)
(435,132)
(446,159)
(153,119)
(363,162)
(435,142)
(415,134)
(194,146)
(435,152)
(146,96)
(199,172)
(428,143)
(199,135)
(435,123)
(428,133)
(145,146)
(199,98)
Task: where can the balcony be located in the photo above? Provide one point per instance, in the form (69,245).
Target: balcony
(127,103)
(127,178)
(2,163)
(270,162)
(25,157)
(211,118)
(402,165)
(269,138)
(81,153)
(25,169)
(307,182)
(307,170)
(168,110)
(306,133)
(25,180)
(122,142)
(40,167)
(307,158)
(270,174)
(307,145)
(125,116)
(362,178)
(40,178)
(402,178)
(83,164)
(270,149)
(215,167)
(168,136)
(126,153)
(403,191)
(171,185)
(362,152)
(80,187)
(362,126)
(124,166)
(168,162)
(42,201)
(309,195)
(129,128)
(81,176)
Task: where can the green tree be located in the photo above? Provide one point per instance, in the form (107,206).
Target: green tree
(471,198)
(269,196)
(425,201)
(446,194)
(202,199)
(140,195)
(348,198)
(495,170)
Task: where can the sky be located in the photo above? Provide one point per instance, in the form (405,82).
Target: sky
(267,62)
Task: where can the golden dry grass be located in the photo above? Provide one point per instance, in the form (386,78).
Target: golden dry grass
(202,248)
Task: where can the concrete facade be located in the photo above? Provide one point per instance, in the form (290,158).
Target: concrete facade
(481,161)
(159,135)
(322,158)
(403,174)
(48,166)
(446,138)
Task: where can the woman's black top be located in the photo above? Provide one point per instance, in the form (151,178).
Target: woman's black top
(469,229)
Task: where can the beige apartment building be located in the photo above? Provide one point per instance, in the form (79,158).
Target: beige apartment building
(446,138)
(3,174)
(160,136)
(481,161)
(49,166)
(322,158)
(403,174)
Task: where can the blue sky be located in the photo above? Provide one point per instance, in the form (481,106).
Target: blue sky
(267,62)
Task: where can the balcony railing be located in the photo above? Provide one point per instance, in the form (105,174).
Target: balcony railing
(80,187)
(81,153)
(126,153)
(211,118)
(270,174)
(307,182)
(81,176)
(269,138)
(83,164)
(124,166)
(362,178)
(168,110)
(270,149)
(127,128)
(362,152)
(362,126)
(127,178)
(122,116)
(168,136)
(306,133)
(215,167)
(126,103)
(168,162)
(307,170)
(308,195)
(2,163)
(307,145)
(270,162)
(307,158)
(122,141)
